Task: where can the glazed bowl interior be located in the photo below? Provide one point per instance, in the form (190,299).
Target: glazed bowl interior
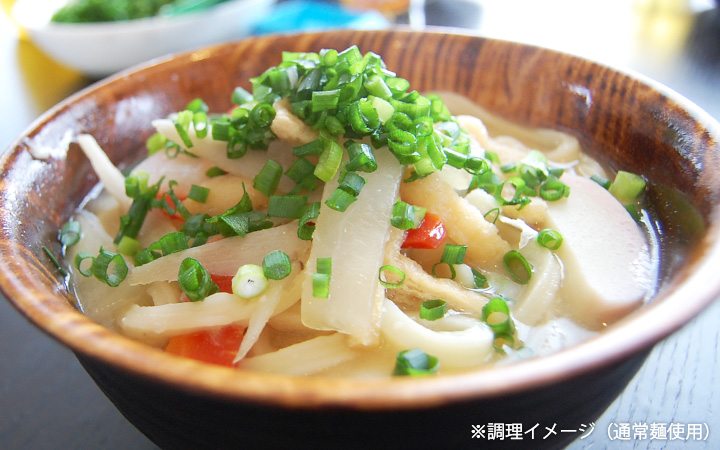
(622,119)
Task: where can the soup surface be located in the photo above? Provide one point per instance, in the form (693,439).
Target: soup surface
(336,223)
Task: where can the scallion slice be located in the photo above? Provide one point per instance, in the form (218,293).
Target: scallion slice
(454,254)
(550,239)
(604,182)
(54,260)
(108,267)
(352,183)
(306,224)
(405,216)
(553,190)
(128,246)
(70,233)
(415,362)
(329,161)
(267,180)
(215,171)
(361,158)
(198,193)
(195,281)
(340,200)
(496,314)
(249,281)
(433,309)
(276,265)
(287,206)
(627,186)
(519,268)
(321,285)
(241,96)
(300,169)
(481,281)
(395,272)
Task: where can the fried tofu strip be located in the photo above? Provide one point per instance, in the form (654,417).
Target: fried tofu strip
(463,221)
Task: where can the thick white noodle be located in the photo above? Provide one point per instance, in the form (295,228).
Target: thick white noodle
(461,349)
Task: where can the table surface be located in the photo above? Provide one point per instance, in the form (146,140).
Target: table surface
(48,401)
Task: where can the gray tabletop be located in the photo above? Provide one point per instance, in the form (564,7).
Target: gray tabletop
(47,400)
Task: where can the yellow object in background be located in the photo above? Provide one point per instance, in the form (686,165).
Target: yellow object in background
(389,8)
(7,6)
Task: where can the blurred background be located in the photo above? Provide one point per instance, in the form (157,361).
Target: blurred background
(46,399)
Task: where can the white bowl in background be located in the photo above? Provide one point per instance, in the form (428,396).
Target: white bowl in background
(100,49)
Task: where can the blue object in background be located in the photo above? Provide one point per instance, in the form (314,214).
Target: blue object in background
(316,15)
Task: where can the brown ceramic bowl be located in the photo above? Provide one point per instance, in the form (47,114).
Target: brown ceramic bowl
(624,120)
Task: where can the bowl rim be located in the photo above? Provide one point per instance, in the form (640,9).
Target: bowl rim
(632,335)
(156,22)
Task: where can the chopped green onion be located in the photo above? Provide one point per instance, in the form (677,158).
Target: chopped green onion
(173,243)
(361,157)
(215,171)
(267,180)
(503,340)
(241,96)
(518,196)
(627,186)
(493,212)
(80,258)
(352,183)
(633,211)
(321,279)
(155,143)
(496,314)
(108,267)
(54,260)
(197,105)
(315,147)
(324,100)
(518,267)
(433,309)
(195,281)
(553,190)
(405,216)
(533,168)
(492,157)
(276,265)
(321,285)
(249,281)
(70,233)
(324,266)
(300,169)
(182,124)
(415,362)
(200,123)
(128,246)
(287,206)
(550,239)
(329,161)
(261,116)
(475,165)
(307,221)
(198,193)
(481,281)
(393,270)
(340,200)
(454,254)
(604,182)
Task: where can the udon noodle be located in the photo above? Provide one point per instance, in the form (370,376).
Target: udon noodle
(392,269)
